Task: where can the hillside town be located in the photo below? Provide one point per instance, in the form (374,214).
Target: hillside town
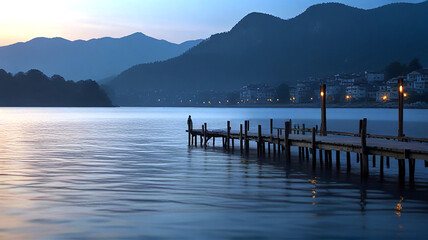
(344,88)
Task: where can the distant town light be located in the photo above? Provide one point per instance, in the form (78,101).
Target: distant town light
(348,97)
(203,102)
(312,98)
(209,102)
(190,100)
(159,100)
(277,100)
(227,101)
(405,94)
(385,97)
(219,102)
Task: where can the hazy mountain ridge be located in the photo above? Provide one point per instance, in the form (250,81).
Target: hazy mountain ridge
(95,58)
(325,39)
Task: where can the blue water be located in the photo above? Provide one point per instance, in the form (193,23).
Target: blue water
(109,173)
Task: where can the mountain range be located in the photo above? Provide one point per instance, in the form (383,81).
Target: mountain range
(326,39)
(93,59)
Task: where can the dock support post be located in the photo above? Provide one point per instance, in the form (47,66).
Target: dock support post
(314,150)
(365,158)
(247,144)
(387,162)
(271,131)
(279,142)
(348,161)
(228,136)
(202,136)
(320,153)
(374,160)
(381,166)
(323,94)
(426,163)
(241,148)
(213,142)
(259,140)
(205,135)
(287,141)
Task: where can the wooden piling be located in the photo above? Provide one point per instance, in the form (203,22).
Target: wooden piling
(320,153)
(259,140)
(287,141)
(387,162)
(365,158)
(241,147)
(271,131)
(374,160)
(381,166)
(205,135)
(202,137)
(228,136)
(247,142)
(314,150)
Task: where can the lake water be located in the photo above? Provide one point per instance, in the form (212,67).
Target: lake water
(109,173)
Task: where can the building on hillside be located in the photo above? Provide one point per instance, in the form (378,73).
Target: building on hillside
(257,93)
(307,91)
(356,92)
(419,78)
(373,77)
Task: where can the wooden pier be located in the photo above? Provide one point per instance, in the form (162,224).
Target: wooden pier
(279,140)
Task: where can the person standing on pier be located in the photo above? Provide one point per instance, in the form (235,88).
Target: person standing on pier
(190,123)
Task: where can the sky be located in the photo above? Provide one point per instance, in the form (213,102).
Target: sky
(172,20)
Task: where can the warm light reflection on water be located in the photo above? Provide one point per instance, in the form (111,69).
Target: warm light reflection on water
(128,173)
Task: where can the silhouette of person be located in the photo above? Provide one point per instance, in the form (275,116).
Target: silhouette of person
(190,123)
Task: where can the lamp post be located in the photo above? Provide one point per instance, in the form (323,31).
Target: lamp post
(323,110)
(400,107)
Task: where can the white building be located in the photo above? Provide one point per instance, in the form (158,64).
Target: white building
(356,92)
(419,78)
(257,93)
(374,77)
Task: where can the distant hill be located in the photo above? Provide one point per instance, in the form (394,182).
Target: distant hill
(326,39)
(35,89)
(93,59)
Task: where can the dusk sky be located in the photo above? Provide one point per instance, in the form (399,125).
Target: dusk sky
(172,20)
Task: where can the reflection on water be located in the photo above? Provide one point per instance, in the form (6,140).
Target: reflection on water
(127,172)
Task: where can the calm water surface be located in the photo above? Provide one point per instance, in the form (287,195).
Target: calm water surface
(75,173)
